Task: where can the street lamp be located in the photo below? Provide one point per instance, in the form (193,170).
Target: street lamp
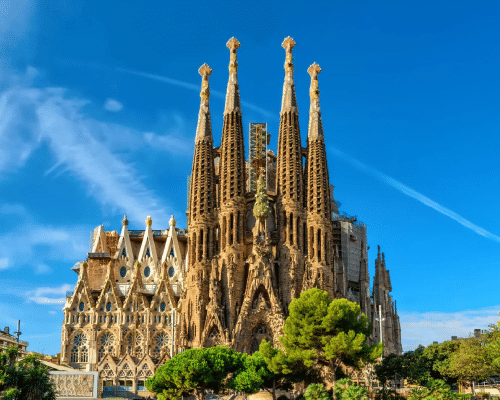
(380,319)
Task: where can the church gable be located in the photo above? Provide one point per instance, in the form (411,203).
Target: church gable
(99,244)
(124,250)
(147,253)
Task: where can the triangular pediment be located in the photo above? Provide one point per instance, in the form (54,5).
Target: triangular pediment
(108,362)
(109,292)
(147,253)
(172,251)
(99,244)
(124,249)
(82,291)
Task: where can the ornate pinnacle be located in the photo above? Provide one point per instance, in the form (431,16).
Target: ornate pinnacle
(125,221)
(314,70)
(233,44)
(288,44)
(172,221)
(205,72)
(149,221)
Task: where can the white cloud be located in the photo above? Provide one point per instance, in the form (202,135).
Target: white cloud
(414,194)
(93,151)
(49,295)
(113,105)
(53,312)
(63,243)
(425,328)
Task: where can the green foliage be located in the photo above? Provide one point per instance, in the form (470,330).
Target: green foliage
(388,394)
(27,379)
(319,332)
(194,371)
(345,389)
(436,389)
(316,391)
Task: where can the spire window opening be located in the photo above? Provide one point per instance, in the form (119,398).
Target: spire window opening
(304,238)
(231,227)
(319,244)
(200,246)
(290,239)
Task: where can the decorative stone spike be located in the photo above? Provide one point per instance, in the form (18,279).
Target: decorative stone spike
(172,221)
(125,221)
(149,221)
(232,93)
(288,44)
(204,127)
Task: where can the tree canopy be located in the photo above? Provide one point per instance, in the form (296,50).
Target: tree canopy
(26,379)
(194,371)
(321,332)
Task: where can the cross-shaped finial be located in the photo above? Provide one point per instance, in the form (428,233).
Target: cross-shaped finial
(205,70)
(288,44)
(314,70)
(233,44)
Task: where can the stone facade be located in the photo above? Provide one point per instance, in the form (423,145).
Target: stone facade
(247,253)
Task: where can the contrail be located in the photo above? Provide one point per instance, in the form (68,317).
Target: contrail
(187,85)
(413,194)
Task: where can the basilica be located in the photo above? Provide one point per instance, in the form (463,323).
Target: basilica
(260,230)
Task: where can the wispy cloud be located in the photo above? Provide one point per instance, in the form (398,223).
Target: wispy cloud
(425,328)
(113,105)
(62,243)
(49,295)
(197,88)
(85,147)
(413,194)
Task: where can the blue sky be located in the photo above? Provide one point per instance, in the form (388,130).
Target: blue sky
(98,109)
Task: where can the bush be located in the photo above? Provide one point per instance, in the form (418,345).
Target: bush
(388,394)
(316,391)
(345,389)
(435,389)
(483,395)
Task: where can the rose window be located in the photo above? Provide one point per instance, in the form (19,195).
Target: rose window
(107,339)
(79,352)
(161,340)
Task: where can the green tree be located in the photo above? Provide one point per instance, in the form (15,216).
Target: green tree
(391,366)
(26,379)
(194,371)
(435,389)
(322,333)
(471,361)
(255,375)
(316,391)
(346,389)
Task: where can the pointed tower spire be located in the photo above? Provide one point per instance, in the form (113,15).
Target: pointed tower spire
(290,184)
(204,128)
(318,181)
(202,193)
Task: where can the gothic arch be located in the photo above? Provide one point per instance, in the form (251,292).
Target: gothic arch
(261,292)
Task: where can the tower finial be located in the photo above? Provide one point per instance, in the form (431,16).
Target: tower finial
(204,127)
(233,93)
(205,72)
(233,44)
(315,123)
(288,44)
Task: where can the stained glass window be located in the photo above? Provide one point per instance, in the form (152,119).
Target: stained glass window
(161,340)
(171,272)
(148,254)
(82,306)
(108,306)
(124,252)
(123,272)
(147,271)
(163,306)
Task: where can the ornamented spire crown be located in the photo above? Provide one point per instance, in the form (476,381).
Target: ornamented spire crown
(232,93)
(204,127)
(289,99)
(315,123)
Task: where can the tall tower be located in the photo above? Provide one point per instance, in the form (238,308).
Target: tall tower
(232,207)
(319,272)
(290,190)
(201,218)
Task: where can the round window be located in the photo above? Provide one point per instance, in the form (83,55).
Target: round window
(108,306)
(123,272)
(163,306)
(147,271)
(171,272)
(82,306)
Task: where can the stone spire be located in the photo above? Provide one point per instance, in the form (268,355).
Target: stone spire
(233,92)
(232,171)
(289,168)
(204,128)
(202,193)
(317,179)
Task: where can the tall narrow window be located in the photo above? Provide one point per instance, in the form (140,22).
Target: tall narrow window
(319,244)
(238,227)
(291,230)
(231,227)
(304,238)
